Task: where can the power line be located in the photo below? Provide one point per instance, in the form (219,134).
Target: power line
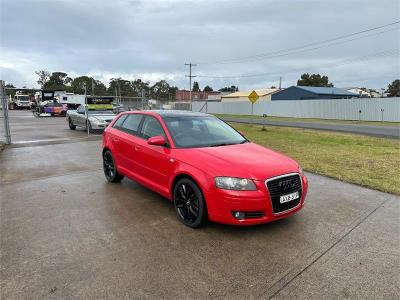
(303,47)
(384,53)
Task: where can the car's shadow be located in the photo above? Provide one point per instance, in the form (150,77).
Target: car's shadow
(163,206)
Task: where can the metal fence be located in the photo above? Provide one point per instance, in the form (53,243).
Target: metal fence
(366,109)
(5,137)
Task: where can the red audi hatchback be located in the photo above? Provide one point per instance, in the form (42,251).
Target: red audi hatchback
(204,166)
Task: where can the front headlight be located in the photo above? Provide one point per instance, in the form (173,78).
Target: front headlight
(98,121)
(232,183)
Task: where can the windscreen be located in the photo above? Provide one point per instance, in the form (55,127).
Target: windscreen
(192,132)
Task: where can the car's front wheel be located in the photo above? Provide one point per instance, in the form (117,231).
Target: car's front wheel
(71,124)
(189,203)
(110,170)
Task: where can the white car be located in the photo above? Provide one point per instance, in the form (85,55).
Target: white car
(97,118)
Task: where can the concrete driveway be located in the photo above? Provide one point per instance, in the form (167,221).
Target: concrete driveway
(67,233)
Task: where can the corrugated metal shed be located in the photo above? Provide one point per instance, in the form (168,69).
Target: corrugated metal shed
(312,92)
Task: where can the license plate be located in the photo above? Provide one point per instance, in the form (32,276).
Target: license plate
(289,197)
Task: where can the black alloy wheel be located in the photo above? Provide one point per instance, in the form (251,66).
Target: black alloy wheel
(189,203)
(110,170)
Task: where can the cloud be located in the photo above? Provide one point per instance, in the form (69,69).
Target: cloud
(153,39)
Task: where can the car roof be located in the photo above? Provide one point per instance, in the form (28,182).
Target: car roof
(170,113)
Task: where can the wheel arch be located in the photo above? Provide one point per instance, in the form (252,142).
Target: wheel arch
(188,176)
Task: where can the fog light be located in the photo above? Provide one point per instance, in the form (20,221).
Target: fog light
(238,215)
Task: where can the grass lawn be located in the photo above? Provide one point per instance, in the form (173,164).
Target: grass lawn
(309,120)
(367,161)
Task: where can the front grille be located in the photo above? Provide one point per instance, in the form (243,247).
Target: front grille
(281,186)
(253,214)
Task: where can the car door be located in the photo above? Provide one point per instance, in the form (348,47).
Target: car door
(126,144)
(155,160)
(80,116)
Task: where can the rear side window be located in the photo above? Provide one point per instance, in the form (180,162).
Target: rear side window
(131,124)
(119,122)
(152,127)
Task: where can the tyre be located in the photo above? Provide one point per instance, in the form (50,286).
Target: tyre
(110,170)
(71,125)
(189,203)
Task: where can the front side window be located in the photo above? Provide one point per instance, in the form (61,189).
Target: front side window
(192,132)
(131,124)
(151,127)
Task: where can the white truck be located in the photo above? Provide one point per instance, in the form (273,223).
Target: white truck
(19,101)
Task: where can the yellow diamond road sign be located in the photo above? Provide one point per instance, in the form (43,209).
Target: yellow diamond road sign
(253,97)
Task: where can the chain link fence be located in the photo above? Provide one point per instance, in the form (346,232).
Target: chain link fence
(5,137)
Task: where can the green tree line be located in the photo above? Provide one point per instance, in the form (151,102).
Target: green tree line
(161,90)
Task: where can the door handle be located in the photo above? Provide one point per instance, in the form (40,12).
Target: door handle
(137,148)
(115,140)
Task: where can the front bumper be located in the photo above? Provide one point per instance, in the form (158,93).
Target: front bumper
(256,204)
(99,126)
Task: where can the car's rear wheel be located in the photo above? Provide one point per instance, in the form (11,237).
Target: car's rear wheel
(189,203)
(110,170)
(71,125)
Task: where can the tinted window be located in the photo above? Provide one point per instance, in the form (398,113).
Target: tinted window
(188,132)
(131,124)
(151,127)
(119,122)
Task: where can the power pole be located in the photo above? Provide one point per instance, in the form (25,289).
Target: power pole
(190,65)
(280,83)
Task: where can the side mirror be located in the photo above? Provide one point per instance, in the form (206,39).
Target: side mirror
(157,141)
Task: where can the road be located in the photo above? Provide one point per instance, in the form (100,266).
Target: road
(67,233)
(378,130)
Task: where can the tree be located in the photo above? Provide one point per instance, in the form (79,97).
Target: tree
(78,86)
(139,86)
(43,77)
(207,88)
(196,87)
(160,90)
(121,87)
(393,89)
(58,81)
(231,89)
(314,80)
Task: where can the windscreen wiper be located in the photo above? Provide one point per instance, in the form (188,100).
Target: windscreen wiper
(222,144)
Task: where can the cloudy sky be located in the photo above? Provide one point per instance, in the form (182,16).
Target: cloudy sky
(233,42)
